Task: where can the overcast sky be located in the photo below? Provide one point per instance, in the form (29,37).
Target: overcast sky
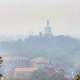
(29,16)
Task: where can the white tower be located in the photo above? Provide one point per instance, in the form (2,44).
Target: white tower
(48,29)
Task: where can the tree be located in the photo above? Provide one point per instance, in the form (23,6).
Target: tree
(40,75)
(57,76)
(1,61)
(77,77)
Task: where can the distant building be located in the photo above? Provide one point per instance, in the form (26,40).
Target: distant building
(25,72)
(19,67)
(40,62)
(24,67)
(40,33)
(48,29)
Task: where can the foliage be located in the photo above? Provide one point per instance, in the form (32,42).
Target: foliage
(43,75)
(77,77)
(40,75)
(1,61)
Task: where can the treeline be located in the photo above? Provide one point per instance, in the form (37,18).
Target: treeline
(43,75)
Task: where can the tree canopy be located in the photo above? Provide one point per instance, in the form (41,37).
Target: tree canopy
(43,75)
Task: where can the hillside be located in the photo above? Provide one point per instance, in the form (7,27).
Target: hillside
(47,46)
(60,49)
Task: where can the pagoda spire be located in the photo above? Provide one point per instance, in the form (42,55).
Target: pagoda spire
(48,28)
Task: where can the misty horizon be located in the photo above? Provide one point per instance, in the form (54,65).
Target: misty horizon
(28,16)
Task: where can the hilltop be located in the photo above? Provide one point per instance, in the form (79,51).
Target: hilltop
(46,45)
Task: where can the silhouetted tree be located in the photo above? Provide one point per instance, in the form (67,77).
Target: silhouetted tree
(1,61)
(77,77)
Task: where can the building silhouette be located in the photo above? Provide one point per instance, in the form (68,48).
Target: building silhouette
(48,29)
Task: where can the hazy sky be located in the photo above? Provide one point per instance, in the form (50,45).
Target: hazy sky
(29,16)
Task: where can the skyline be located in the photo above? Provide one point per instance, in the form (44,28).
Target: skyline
(21,17)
